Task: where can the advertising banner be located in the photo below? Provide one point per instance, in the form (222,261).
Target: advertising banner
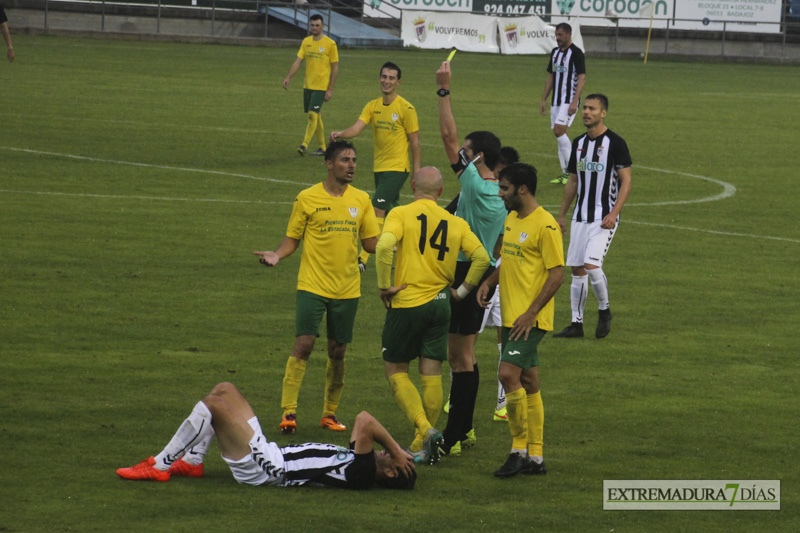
(708,15)
(530,35)
(393,8)
(470,33)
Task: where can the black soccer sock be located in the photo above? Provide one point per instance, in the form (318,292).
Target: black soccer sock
(471,396)
(452,432)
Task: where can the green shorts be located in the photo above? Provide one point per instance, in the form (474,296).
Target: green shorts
(340,316)
(419,331)
(387,189)
(313,100)
(522,353)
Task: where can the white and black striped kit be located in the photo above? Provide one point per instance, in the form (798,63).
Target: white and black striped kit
(565,65)
(596,163)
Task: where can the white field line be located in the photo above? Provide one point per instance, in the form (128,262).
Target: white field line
(728,190)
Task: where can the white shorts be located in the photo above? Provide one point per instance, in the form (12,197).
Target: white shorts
(263,466)
(588,243)
(491,317)
(560,115)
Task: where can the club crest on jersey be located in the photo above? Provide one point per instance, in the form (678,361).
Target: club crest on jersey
(321,48)
(522,237)
(395,116)
(600,150)
(354,212)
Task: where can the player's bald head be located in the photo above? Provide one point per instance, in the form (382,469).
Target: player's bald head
(429,181)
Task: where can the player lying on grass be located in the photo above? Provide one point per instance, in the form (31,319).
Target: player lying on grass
(254,460)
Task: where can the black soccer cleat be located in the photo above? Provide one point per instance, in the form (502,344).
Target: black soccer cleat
(572,331)
(603,324)
(513,466)
(532,468)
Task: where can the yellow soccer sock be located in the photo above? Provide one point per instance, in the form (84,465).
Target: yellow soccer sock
(320,133)
(518,418)
(364,255)
(295,370)
(432,397)
(334,384)
(409,400)
(535,424)
(310,127)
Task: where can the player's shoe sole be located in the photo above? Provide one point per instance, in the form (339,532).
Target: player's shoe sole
(433,447)
(144,471)
(330,422)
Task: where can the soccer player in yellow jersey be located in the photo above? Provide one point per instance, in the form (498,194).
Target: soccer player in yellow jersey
(331,217)
(428,241)
(322,69)
(395,129)
(531,272)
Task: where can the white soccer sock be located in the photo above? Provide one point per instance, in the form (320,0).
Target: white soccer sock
(564,149)
(198,452)
(193,430)
(501,393)
(599,286)
(577,297)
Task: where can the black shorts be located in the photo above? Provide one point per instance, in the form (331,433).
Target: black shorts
(466,316)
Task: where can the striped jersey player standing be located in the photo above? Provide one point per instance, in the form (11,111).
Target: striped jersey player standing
(566,76)
(600,177)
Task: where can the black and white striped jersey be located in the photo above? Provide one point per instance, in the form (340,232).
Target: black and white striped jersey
(565,65)
(597,163)
(327,464)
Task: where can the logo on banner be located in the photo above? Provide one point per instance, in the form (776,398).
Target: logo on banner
(353,212)
(565,6)
(420,29)
(512,35)
(523,237)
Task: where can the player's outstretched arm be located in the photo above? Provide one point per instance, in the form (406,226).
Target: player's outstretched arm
(350,132)
(286,248)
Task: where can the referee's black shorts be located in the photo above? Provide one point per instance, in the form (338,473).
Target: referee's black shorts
(466,316)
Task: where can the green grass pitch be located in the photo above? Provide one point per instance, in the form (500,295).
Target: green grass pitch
(137,178)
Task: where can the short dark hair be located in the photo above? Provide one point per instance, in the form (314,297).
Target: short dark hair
(337,147)
(601,97)
(566,27)
(399,482)
(392,66)
(508,156)
(519,174)
(318,17)
(488,143)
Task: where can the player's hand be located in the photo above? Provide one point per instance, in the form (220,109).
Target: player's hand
(387,294)
(522,326)
(609,221)
(573,108)
(335,136)
(286,83)
(562,221)
(328,95)
(454,295)
(11,55)
(482,295)
(403,463)
(269,259)
(443,75)
(543,107)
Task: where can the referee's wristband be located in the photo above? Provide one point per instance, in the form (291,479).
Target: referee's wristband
(462,292)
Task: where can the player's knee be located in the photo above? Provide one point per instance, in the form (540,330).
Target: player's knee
(221,389)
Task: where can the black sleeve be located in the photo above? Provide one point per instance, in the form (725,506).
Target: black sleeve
(360,474)
(451,207)
(580,61)
(622,157)
(3,17)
